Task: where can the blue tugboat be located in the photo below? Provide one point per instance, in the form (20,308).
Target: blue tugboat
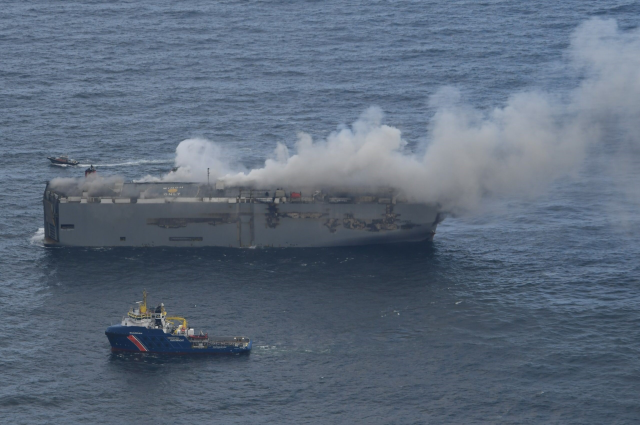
(144,331)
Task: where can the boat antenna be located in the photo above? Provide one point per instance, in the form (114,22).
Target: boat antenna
(208,184)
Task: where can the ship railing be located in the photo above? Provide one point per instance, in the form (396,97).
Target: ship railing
(143,316)
(196,337)
(228,344)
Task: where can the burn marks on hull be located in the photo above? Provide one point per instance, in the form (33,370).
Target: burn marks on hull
(389,221)
(332,224)
(273,216)
(174,223)
(375,225)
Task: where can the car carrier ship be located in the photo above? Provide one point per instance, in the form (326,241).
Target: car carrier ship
(152,331)
(97,212)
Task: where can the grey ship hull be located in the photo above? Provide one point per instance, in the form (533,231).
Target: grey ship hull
(232,221)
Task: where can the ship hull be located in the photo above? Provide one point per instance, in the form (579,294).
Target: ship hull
(133,339)
(228,222)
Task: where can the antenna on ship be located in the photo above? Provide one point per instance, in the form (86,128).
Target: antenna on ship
(208,184)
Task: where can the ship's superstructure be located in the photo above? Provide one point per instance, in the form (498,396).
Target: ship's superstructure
(195,214)
(152,331)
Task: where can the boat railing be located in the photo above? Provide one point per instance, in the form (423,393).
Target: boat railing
(196,337)
(143,316)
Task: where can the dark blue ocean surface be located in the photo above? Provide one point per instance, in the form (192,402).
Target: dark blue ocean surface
(525,312)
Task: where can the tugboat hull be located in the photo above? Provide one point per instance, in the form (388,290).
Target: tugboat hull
(136,339)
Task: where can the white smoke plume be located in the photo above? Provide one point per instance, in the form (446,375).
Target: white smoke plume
(195,156)
(516,149)
(94,185)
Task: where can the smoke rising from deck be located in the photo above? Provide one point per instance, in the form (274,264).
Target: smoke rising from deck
(94,185)
(513,150)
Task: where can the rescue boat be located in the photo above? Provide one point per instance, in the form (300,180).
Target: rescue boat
(62,160)
(145,330)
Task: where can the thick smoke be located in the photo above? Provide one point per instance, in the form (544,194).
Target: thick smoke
(195,156)
(516,149)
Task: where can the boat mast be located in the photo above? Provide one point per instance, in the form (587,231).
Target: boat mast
(143,306)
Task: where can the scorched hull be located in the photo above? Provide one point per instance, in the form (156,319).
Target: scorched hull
(231,221)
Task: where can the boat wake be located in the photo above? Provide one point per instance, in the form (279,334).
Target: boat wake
(38,237)
(130,163)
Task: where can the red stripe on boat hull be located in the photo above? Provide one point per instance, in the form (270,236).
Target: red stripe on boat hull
(137,343)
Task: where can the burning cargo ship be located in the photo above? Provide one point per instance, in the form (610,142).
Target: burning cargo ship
(115,213)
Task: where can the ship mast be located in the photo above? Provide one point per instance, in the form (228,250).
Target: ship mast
(143,306)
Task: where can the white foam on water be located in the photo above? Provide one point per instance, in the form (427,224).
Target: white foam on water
(130,163)
(38,237)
